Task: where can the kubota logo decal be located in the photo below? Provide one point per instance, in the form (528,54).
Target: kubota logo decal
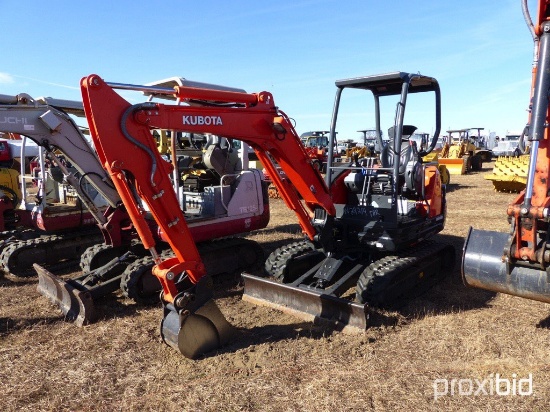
(202,120)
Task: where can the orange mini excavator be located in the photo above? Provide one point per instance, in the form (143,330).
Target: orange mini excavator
(365,224)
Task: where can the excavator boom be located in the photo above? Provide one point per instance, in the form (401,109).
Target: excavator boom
(121,135)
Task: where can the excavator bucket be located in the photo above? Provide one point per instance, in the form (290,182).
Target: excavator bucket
(454,166)
(483,267)
(76,305)
(342,314)
(197,333)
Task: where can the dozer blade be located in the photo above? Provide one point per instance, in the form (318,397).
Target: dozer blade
(76,305)
(483,267)
(312,306)
(197,333)
(454,166)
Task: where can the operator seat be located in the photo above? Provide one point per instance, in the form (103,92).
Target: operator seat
(221,157)
(407,149)
(410,175)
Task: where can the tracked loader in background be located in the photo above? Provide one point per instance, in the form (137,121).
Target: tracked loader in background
(518,262)
(365,226)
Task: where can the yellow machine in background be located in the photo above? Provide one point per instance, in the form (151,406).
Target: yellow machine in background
(9,185)
(422,140)
(459,154)
(509,173)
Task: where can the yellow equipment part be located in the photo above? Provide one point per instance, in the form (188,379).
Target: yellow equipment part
(509,173)
(430,157)
(445,175)
(454,166)
(9,184)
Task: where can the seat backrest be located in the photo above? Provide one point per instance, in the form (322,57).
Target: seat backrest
(386,157)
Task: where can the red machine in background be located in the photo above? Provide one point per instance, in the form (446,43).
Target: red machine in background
(364,226)
(518,262)
(317,147)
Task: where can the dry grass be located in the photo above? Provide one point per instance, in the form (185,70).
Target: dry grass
(276,362)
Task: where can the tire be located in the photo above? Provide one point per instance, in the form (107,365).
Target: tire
(445,175)
(477,163)
(316,164)
(468,160)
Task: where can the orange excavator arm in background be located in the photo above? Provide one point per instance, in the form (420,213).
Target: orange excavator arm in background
(518,263)
(126,148)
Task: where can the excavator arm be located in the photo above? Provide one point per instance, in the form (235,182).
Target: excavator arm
(519,263)
(121,135)
(46,121)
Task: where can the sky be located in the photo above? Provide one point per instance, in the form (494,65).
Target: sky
(480,51)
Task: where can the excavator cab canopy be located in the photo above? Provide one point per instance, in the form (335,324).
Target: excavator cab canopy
(389,84)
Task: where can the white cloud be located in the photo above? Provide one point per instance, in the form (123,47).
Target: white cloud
(6,78)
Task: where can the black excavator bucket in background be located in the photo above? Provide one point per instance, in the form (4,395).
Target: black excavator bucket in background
(483,266)
(307,304)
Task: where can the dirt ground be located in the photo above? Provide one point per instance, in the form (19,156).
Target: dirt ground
(451,337)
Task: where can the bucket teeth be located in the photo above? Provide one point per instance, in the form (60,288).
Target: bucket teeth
(76,305)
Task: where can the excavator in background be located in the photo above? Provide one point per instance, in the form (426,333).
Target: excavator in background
(366,224)
(316,144)
(44,227)
(518,262)
(114,258)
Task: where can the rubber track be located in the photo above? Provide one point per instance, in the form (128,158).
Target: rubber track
(90,253)
(209,252)
(277,262)
(27,251)
(373,281)
(6,234)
